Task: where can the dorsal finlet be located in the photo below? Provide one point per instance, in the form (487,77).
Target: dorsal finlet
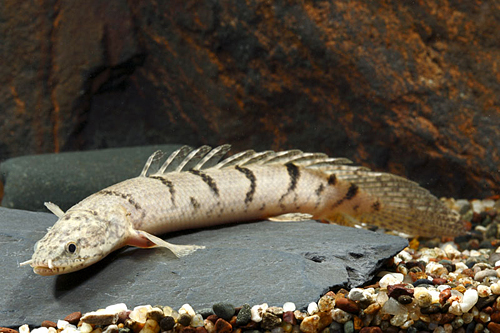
(54,209)
(194,156)
(156,156)
(175,158)
(212,157)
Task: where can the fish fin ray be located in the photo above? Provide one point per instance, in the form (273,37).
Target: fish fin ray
(54,209)
(144,239)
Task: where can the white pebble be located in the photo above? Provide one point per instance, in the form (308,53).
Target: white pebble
(483,291)
(257,311)
(434,268)
(469,300)
(139,314)
(312,308)
(451,250)
(340,316)
(53,330)
(86,328)
(455,308)
(356,294)
(40,330)
(289,306)
(391,278)
(495,288)
(394,308)
(24,329)
(186,308)
(197,321)
(422,297)
(117,308)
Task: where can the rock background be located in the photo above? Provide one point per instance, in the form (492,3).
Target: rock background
(406,87)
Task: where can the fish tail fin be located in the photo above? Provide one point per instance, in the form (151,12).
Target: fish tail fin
(364,197)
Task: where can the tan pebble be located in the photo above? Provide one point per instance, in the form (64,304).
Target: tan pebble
(111,329)
(155,314)
(287,327)
(99,330)
(48,323)
(100,318)
(326,303)
(325,319)
(86,328)
(299,315)
(270,321)
(135,326)
(209,326)
(422,297)
(358,323)
(275,310)
(340,316)
(151,326)
(310,324)
(372,308)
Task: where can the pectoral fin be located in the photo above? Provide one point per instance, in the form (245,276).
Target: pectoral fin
(143,239)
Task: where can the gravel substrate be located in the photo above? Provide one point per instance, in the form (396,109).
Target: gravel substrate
(434,285)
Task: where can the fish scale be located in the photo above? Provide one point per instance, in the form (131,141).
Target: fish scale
(192,189)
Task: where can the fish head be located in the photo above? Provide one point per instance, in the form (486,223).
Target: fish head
(77,240)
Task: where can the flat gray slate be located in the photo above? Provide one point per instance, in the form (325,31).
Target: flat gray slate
(67,178)
(271,262)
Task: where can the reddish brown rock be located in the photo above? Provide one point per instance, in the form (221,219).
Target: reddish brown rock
(494,327)
(407,87)
(73,318)
(222,326)
(444,295)
(347,305)
(495,316)
(397,290)
(370,330)
(7,330)
(48,323)
(288,317)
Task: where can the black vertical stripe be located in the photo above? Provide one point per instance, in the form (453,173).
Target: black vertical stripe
(168,184)
(294,173)
(253,183)
(351,193)
(207,179)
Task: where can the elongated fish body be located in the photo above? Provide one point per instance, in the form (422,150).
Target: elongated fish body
(192,189)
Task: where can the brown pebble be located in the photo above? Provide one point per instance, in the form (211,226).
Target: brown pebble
(397,290)
(7,330)
(469,272)
(73,318)
(347,305)
(494,327)
(201,329)
(370,330)
(372,308)
(48,323)
(439,281)
(447,318)
(444,295)
(188,329)
(488,310)
(358,323)
(213,318)
(495,316)
(288,317)
(222,326)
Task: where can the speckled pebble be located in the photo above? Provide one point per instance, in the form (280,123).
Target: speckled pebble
(244,315)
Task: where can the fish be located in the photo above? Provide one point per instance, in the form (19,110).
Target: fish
(197,188)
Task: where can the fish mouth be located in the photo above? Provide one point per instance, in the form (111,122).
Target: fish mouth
(44,268)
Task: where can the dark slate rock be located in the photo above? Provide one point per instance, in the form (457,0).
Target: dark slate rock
(251,263)
(67,178)
(224,310)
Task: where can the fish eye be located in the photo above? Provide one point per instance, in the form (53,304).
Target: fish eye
(71,247)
